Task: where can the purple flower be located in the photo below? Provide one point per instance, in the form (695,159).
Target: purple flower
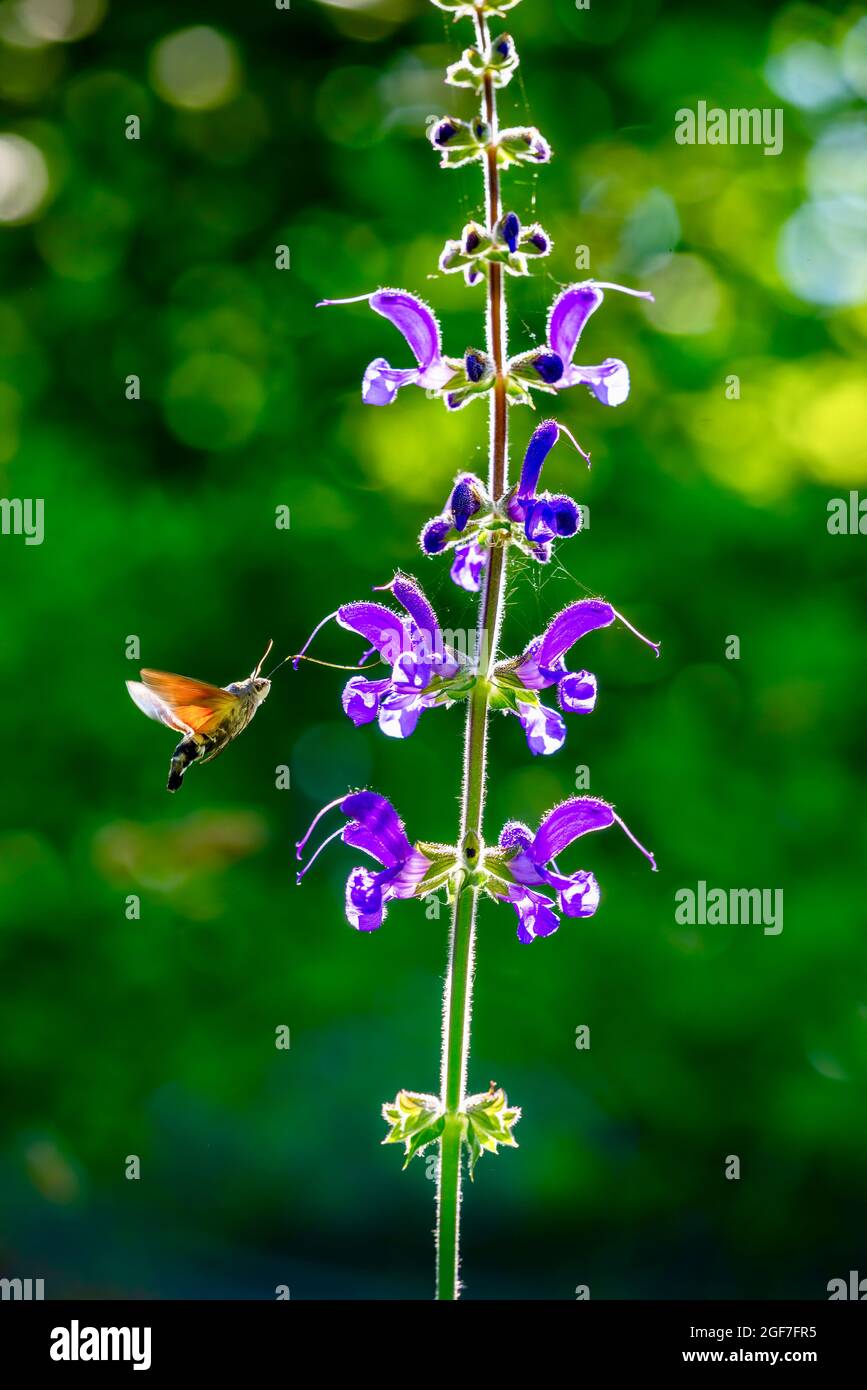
(528,862)
(509,230)
(471,522)
(467,566)
(609,382)
(425,670)
(543,516)
(543,665)
(373,826)
(513,872)
(419,327)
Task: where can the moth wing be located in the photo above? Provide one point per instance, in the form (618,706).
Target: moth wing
(155,708)
(194,706)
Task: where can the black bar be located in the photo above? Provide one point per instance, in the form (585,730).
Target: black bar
(403,1339)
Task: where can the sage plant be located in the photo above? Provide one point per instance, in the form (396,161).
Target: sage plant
(482,525)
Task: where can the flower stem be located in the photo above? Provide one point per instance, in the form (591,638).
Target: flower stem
(458,993)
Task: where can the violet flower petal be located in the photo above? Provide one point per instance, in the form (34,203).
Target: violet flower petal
(365,908)
(609,382)
(541,443)
(565,515)
(362,698)
(566,823)
(570,626)
(375,827)
(467,566)
(381,381)
(412,597)
(536,917)
(414,320)
(577,692)
(545,728)
(581,898)
(569,313)
(377,625)
(399,715)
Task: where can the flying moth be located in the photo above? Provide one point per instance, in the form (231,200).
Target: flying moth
(208,716)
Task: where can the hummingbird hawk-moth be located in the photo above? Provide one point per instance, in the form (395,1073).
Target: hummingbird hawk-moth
(208,716)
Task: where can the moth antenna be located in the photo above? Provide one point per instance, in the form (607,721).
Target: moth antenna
(262,660)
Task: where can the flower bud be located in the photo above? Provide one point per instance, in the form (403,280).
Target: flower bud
(549,366)
(502,60)
(536,370)
(474,374)
(522,145)
(464,503)
(535,241)
(433,537)
(508,230)
(459,142)
(476,365)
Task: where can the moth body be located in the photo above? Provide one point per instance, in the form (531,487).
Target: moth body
(208,716)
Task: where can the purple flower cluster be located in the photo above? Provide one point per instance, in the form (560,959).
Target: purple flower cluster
(426,671)
(471,521)
(523,862)
(430,668)
(426,668)
(548,367)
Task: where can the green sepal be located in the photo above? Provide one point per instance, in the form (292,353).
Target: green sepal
(490,1120)
(505,697)
(460,388)
(468,71)
(522,145)
(444,860)
(466,141)
(518,394)
(524,376)
(526,244)
(460,9)
(473,67)
(416,1120)
(473,245)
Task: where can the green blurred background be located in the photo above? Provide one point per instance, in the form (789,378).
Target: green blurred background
(156,257)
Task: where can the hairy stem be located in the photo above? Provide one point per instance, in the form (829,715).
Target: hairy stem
(458,994)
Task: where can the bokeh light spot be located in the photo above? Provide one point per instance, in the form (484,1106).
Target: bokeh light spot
(213,401)
(197,69)
(687,296)
(822,252)
(853,57)
(24,178)
(60,21)
(349,107)
(806,74)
